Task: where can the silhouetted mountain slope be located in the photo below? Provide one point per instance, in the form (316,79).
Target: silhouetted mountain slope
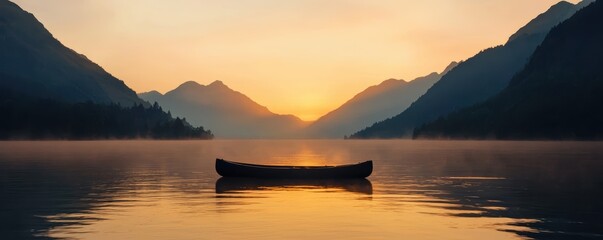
(229,113)
(475,80)
(558,95)
(373,104)
(544,22)
(48,91)
(34,63)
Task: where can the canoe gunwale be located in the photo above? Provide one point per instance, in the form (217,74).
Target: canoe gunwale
(288,167)
(246,170)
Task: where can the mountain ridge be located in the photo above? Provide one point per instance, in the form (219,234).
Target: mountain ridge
(37,64)
(372,104)
(556,96)
(229,113)
(475,80)
(49,91)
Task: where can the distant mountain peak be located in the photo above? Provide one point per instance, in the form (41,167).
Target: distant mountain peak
(155,92)
(450,66)
(228,112)
(150,96)
(545,21)
(193,85)
(375,103)
(217,83)
(188,84)
(560,5)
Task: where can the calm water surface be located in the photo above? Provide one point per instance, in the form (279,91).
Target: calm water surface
(418,190)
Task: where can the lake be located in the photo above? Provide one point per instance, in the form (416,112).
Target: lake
(418,190)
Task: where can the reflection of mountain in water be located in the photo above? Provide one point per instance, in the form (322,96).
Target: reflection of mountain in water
(65,186)
(536,190)
(232,185)
(575,216)
(39,200)
(556,201)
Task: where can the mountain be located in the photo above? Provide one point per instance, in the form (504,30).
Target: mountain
(48,91)
(228,113)
(475,80)
(556,96)
(373,104)
(26,118)
(545,22)
(34,63)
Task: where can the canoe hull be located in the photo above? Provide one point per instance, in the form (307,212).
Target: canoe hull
(234,185)
(234,169)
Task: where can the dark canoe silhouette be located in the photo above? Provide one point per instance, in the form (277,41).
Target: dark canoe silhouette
(246,170)
(234,185)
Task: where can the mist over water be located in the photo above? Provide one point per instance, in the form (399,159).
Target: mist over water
(418,190)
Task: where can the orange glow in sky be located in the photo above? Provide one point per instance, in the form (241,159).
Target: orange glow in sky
(303,57)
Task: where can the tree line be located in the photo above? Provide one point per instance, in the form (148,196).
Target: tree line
(27,118)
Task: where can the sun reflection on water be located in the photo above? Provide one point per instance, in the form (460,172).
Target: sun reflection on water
(169,190)
(291,210)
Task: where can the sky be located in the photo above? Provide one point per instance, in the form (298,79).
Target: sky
(301,57)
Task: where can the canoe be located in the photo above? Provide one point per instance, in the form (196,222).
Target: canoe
(228,185)
(246,170)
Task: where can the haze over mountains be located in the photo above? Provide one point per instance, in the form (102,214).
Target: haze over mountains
(475,80)
(373,104)
(432,96)
(36,68)
(230,114)
(558,95)
(48,91)
(36,64)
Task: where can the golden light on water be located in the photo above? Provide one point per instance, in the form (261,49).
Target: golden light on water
(293,212)
(419,190)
